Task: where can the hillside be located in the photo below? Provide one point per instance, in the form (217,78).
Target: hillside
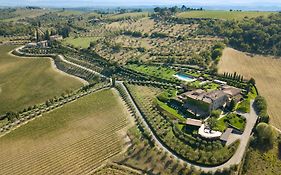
(265,70)
(29,81)
(74,139)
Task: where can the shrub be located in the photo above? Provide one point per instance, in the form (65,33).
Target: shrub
(265,135)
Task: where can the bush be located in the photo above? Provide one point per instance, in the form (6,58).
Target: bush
(265,135)
(12,116)
(261,108)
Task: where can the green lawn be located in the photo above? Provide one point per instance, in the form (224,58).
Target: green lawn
(232,119)
(170,110)
(156,71)
(211,86)
(194,74)
(244,106)
(222,14)
(83,42)
(29,81)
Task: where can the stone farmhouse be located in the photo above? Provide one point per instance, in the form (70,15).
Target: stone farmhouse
(201,103)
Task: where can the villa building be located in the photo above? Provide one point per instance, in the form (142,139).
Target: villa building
(232,92)
(41,44)
(200,102)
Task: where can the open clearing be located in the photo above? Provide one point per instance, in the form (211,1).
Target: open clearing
(222,14)
(29,81)
(265,70)
(74,139)
(83,42)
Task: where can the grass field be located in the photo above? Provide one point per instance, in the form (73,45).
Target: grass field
(244,106)
(222,14)
(265,70)
(262,162)
(83,42)
(156,71)
(232,119)
(73,139)
(29,81)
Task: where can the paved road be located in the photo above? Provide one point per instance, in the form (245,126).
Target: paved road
(234,160)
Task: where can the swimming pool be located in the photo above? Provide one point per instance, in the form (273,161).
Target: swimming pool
(184,77)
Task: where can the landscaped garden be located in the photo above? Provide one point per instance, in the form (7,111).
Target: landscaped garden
(244,106)
(79,42)
(231,120)
(181,143)
(155,71)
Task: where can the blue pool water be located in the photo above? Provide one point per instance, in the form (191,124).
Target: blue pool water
(184,77)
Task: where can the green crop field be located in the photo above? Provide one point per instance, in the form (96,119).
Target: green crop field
(74,139)
(83,42)
(159,72)
(222,14)
(28,81)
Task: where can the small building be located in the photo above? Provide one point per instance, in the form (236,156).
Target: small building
(56,38)
(193,122)
(224,137)
(31,45)
(42,44)
(220,82)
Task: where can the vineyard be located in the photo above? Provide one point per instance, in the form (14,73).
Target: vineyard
(74,70)
(113,169)
(74,139)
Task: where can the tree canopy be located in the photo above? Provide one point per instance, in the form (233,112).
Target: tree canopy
(265,134)
(256,35)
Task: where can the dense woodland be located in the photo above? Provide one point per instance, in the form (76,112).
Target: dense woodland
(14,29)
(260,35)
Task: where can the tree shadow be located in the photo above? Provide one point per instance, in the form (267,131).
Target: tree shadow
(279,150)
(167,164)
